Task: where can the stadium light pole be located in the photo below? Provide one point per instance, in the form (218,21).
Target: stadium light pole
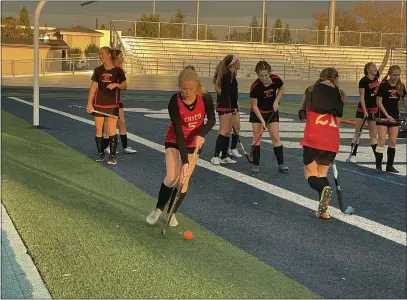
(332,8)
(197,20)
(153,7)
(263,24)
(36,90)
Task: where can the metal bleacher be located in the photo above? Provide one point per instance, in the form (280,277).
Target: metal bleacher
(168,56)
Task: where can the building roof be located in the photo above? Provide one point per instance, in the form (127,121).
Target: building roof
(53,44)
(77,29)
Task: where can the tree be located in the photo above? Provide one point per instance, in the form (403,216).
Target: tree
(12,28)
(174,30)
(103,27)
(146,28)
(74,52)
(286,38)
(91,50)
(239,36)
(24,20)
(255,30)
(201,33)
(277,32)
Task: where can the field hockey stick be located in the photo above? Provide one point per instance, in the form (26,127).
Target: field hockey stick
(242,148)
(95,111)
(179,189)
(260,135)
(357,138)
(350,210)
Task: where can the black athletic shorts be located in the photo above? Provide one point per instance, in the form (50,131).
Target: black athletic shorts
(175,146)
(110,111)
(229,111)
(361,115)
(254,119)
(382,120)
(322,157)
(120,104)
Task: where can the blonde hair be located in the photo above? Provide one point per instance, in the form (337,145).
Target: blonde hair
(108,50)
(399,84)
(221,69)
(189,73)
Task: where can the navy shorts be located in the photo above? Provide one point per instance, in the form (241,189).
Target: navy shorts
(322,157)
(266,116)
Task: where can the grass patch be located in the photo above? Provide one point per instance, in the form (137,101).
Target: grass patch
(89,238)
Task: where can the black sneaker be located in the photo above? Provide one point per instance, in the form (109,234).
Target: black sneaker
(283,169)
(391,169)
(112,160)
(101,157)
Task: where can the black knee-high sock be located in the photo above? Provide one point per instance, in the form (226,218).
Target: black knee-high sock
(113,144)
(256,155)
(374,149)
(278,151)
(379,160)
(318,183)
(123,138)
(234,141)
(181,198)
(355,149)
(99,143)
(219,143)
(105,143)
(225,147)
(164,195)
(174,193)
(391,153)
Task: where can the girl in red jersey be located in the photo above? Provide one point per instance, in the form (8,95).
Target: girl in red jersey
(390,92)
(322,106)
(226,88)
(187,110)
(103,96)
(265,95)
(367,107)
(118,62)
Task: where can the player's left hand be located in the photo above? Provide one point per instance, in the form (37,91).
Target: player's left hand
(112,86)
(199,141)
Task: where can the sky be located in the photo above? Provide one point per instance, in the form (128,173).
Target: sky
(298,14)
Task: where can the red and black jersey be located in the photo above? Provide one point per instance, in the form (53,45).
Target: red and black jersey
(324,106)
(187,121)
(390,99)
(371,87)
(265,95)
(106,98)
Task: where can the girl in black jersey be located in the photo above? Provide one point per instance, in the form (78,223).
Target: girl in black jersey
(103,96)
(226,87)
(367,107)
(265,95)
(187,130)
(118,62)
(390,92)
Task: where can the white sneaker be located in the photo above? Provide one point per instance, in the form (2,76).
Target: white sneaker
(173,221)
(129,150)
(353,159)
(227,160)
(153,217)
(215,160)
(107,150)
(234,153)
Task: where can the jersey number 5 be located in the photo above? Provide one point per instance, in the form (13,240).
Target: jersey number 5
(192,124)
(319,121)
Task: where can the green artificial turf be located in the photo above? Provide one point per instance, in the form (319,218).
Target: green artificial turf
(85,229)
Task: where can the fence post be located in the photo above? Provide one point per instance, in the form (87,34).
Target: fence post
(251,34)
(360,40)
(284,70)
(209,69)
(159,29)
(13,68)
(42,67)
(229,34)
(206,32)
(309,70)
(135,29)
(381,39)
(182,31)
(73,66)
(156,73)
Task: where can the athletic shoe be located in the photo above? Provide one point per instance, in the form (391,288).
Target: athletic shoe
(379,170)
(323,216)
(256,169)
(107,150)
(215,160)
(129,150)
(283,169)
(227,160)
(112,160)
(153,217)
(101,157)
(234,153)
(353,159)
(324,201)
(391,169)
(173,221)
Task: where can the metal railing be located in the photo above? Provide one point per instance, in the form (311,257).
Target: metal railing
(247,34)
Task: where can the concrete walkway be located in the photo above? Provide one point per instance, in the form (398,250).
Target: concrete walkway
(19,276)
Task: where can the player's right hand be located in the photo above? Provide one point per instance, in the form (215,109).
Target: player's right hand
(365,114)
(263,124)
(89,109)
